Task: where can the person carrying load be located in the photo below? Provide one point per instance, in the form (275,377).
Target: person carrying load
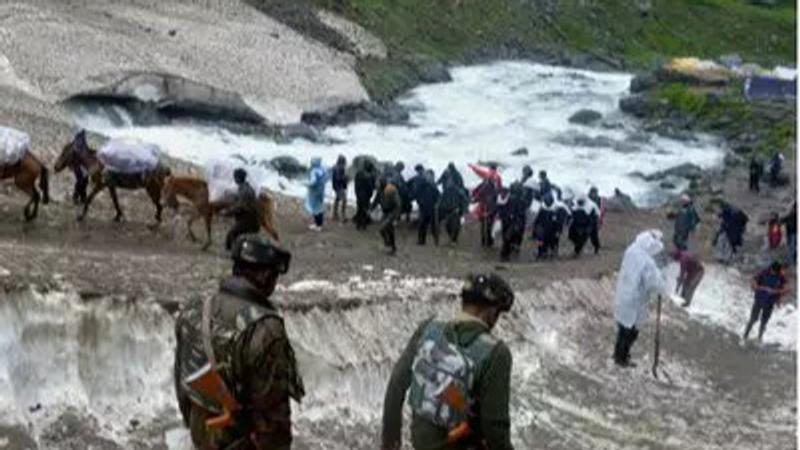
(457,375)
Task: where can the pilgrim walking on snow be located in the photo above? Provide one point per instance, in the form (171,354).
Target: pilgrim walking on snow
(769,286)
(639,277)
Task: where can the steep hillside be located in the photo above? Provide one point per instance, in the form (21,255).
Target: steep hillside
(618,33)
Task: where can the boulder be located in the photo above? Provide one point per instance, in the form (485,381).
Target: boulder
(636,105)
(667,185)
(384,113)
(523,151)
(288,166)
(625,147)
(430,71)
(676,134)
(732,160)
(582,140)
(643,82)
(299,131)
(686,170)
(585,117)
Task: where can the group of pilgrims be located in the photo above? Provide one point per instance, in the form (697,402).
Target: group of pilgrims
(504,212)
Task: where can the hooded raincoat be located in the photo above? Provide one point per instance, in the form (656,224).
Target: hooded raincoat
(638,277)
(317,177)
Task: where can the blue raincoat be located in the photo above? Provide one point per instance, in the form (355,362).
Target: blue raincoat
(317,178)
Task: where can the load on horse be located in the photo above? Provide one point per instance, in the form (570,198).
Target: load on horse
(213,195)
(17,162)
(122,163)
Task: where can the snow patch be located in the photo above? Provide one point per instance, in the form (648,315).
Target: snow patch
(724,298)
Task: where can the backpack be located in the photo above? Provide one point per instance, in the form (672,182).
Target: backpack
(443,376)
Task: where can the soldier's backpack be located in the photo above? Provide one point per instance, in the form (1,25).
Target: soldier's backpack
(443,377)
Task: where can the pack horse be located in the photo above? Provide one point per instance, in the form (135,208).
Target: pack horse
(119,164)
(18,163)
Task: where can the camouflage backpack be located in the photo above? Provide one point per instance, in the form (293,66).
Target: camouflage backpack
(226,327)
(443,376)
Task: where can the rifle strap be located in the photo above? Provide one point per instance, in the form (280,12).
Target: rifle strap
(208,307)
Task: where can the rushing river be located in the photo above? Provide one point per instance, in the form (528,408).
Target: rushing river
(486,113)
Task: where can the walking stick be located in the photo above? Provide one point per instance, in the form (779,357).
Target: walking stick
(657,349)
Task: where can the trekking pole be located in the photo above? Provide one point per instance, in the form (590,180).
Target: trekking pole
(657,348)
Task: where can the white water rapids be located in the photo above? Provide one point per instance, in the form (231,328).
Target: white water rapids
(484,114)
(107,366)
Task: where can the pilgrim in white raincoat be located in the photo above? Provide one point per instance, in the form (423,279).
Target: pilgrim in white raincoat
(639,277)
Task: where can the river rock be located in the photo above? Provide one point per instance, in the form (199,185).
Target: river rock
(288,166)
(732,160)
(523,151)
(643,82)
(666,185)
(384,113)
(430,71)
(670,132)
(585,117)
(300,131)
(636,105)
(686,170)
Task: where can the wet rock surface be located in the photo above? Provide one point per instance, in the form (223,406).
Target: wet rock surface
(585,117)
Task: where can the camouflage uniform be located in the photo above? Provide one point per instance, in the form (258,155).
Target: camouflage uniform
(255,359)
(492,424)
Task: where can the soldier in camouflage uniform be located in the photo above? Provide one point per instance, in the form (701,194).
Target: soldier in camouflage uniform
(468,335)
(250,350)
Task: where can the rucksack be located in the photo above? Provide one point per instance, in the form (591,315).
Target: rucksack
(444,375)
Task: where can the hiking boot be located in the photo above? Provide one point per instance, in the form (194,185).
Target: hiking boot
(625,364)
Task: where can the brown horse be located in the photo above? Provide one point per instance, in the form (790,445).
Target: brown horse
(76,154)
(25,173)
(195,190)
